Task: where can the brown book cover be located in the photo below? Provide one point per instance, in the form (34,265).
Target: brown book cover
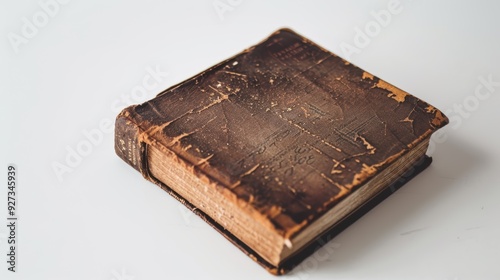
(285,132)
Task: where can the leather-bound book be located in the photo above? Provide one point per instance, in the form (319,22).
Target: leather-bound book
(279,147)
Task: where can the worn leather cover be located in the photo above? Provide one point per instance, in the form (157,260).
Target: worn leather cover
(286,127)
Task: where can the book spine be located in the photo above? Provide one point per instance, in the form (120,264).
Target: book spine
(127,142)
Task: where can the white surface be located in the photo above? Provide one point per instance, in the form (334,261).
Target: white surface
(104,221)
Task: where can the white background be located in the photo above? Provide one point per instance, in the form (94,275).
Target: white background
(102,220)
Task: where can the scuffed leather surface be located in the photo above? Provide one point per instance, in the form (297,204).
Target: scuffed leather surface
(288,127)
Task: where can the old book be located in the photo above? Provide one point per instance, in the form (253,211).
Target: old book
(279,147)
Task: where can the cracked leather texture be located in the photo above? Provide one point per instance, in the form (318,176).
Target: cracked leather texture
(286,127)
